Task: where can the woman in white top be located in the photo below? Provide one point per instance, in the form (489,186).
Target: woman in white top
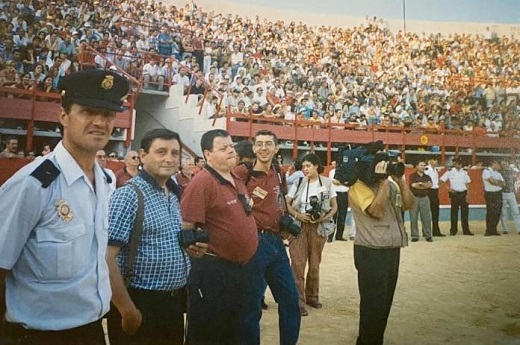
(312,202)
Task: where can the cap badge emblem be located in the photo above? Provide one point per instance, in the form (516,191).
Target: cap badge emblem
(108,82)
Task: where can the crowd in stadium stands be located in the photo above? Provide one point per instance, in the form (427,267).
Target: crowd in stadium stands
(348,77)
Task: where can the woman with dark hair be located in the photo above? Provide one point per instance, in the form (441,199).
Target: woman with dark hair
(25,84)
(311,201)
(47,87)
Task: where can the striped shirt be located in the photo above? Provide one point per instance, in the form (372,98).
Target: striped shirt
(160,264)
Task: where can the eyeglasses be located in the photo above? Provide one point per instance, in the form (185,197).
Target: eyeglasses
(112,156)
(267,144)
(135,157)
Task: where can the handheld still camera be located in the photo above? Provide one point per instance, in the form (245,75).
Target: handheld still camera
(287,224)
(192,236)
(315,211)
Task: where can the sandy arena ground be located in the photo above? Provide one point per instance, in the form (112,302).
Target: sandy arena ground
(456,290)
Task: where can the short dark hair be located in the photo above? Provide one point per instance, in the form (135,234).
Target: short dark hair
(298,164)
(11,138)
(266,132)
(244,149)
(159,133)
(198,159)
(314,160)
(206,142)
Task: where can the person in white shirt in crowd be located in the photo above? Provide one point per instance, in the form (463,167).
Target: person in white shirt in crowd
(150,70)
(433,194)
(509,203)
(459,181)
(493,184)
(182,78)
(101,159)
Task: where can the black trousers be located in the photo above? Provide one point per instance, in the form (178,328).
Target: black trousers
(378,270)
(433,195)
(493,210)
(163,319)
(339,217)
(216,301)
(90,334)
(458,200)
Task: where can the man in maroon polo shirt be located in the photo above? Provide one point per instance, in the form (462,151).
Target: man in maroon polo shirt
(217,200)
(266,185)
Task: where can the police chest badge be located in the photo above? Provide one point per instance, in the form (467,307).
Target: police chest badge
(108,82)
(64,210)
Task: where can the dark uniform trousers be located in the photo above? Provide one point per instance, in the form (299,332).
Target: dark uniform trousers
(433,195)
(216,301)
(493,211)
(90,334)
(458,200)
(378,270)
(339,217)
(163,318)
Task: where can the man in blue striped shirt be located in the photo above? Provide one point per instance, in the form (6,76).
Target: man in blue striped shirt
(150,310)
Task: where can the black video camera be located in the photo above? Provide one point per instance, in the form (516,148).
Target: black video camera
(315,210)
(368,162)
(192,236)
(287,224)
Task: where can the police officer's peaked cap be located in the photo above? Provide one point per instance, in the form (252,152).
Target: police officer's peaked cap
(95,88)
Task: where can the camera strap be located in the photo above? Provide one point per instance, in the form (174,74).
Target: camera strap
(280,184)
(137,229)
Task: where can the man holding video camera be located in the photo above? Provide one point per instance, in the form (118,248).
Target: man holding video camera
(377,200)
(266,185)
(149,305)
(217,200)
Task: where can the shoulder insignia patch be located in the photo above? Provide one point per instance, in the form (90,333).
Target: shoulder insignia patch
(107,176)
(46,173)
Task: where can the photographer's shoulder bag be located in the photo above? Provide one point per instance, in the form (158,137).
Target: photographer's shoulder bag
(137,229)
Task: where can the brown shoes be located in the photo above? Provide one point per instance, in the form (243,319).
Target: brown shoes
(315,304)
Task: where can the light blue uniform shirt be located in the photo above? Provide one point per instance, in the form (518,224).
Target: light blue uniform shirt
(490,173)
(58,275)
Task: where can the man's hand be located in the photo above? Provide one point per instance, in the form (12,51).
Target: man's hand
(131,321)
(381,167)
(197,250)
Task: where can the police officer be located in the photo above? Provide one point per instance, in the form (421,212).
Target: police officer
(53,234)
(459,181)
(493,184)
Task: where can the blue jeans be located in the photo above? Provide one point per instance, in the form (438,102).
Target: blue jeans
(271,263)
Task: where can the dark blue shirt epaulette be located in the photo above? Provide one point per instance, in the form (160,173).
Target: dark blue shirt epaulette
(46,173)
(109,179)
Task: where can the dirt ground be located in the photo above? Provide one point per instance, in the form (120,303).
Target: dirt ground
(456,290)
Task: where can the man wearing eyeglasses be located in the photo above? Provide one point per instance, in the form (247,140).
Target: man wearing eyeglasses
(266,185)
(217,200)
(130,170)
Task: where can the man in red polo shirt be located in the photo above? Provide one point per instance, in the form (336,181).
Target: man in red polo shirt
(217,200)
(266,185)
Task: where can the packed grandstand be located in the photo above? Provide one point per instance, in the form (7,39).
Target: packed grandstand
(360,76)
